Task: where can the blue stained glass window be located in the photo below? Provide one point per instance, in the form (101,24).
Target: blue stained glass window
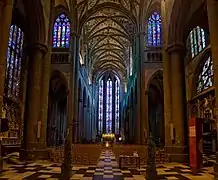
(61,32)
(206,76)
(197,41)
(100,109)
(154,30)
(14,58)
(109,107)
(117,108)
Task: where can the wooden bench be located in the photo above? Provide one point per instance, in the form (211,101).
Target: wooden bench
(129,161)
(82,154)
(128,150)
(10,145)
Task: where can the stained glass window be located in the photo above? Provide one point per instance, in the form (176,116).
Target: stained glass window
(205,78)
(61,32)
(117,108)
(154,30)
(109,107)
(100,109)
(14,58)
(197,40)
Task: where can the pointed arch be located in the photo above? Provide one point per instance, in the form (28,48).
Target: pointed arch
(154,30)
(61,31)
(197,41)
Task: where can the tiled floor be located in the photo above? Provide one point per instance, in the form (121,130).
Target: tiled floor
(107,168)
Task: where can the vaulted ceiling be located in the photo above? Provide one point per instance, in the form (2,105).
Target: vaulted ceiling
(108,28)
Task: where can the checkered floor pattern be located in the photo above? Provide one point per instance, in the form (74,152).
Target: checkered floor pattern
(107,168)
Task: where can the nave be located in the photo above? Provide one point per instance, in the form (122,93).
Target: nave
(107,168)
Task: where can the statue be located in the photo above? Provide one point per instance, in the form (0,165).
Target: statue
(3,113)
(206,102)
(151,171)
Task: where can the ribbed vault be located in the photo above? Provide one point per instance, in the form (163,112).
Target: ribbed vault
(108,28)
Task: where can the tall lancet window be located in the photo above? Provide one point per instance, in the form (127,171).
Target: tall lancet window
(61,32)
(14,59)
(117,108)
(206,76)
(154,30)
(100,109)
(197,41)
(109,107)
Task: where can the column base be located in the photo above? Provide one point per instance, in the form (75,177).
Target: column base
(215,167)
(31,155)
(177,153)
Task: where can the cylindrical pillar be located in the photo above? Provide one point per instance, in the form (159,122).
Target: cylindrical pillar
(33,148)
(80,117)
(85,122)
(166,79)
(146,130)
(178,150)
(45,79)
(142,123)
(76,81)
(212,11)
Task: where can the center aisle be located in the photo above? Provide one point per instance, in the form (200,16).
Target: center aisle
(108,168)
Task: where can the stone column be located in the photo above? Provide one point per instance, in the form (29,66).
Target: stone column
(130,122)
(166,80)
(45,79)
(178,150)
(33,147)
(212,11)
(85,121)
(88,123)
(142,124)
(76,95)
(6,7)
(80,119)
(146,131)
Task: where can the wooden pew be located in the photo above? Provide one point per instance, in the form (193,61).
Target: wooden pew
(83,154)
(10,145)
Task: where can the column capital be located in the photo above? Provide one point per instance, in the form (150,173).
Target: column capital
(140,33)
(74,33)
(146,92)
(180,48)
(38,47)
(6,2)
